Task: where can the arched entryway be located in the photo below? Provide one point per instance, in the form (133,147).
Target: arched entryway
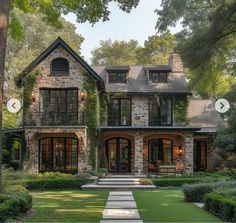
(118,151)
(160,151)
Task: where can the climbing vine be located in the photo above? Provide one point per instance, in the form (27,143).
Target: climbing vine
(180,110)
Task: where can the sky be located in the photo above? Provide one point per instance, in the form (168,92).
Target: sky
(138,25)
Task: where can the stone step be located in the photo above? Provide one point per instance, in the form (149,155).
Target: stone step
(124,176)
(121,214)
(117,187)
(121,221)
(118,179)
(119,183)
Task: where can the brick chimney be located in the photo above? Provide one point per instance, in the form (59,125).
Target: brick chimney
(175,63)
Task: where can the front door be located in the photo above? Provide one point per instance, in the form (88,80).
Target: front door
(118,151)
(200,155)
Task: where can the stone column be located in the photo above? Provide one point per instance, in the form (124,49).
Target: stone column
(138,154)
(188,154)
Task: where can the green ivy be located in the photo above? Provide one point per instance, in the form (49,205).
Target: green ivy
(180,110)
(92,117)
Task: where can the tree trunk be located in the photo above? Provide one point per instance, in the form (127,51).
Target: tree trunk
(4,20)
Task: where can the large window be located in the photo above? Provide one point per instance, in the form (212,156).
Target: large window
(117,77)
(119,112)
(60,66)
(158,77)
(58,154)
(59,106)
(160,151)
(160,111)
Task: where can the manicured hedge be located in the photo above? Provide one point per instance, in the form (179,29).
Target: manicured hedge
(13,204)
(196,192)
(221,206)
(53,184)
(175,181)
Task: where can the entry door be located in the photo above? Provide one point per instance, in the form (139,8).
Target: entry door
(200,155)
(118,152)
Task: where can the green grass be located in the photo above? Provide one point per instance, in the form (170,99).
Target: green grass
(67,206)
(169,206)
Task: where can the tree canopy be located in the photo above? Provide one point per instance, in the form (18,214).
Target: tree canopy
(207,39)
(156,50)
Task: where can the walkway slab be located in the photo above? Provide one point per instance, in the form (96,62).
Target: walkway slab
(121,193)
(120,198)
(120,214)
(121,221)
(121,204)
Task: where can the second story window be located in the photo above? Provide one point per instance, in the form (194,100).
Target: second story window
(117,77)
(59,106)
(160,111)
(119,113)
(60,66)
(158,77)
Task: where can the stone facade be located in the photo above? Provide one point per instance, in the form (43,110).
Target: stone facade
(138,157)
(176,63)
(188,153)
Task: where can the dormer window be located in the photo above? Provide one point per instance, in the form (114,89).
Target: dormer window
(60,66)
(158,76)
(117,77)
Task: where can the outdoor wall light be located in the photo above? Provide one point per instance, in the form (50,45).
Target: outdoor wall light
(180,151)
(82,96)
(33,97)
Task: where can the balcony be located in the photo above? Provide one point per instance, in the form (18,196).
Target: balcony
(54,119)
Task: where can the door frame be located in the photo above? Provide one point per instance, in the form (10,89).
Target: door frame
(118,154)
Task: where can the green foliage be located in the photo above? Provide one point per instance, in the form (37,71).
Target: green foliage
(156,50)
(50,175)
(92,117)
(205,41)
(175,181)
(145,181)
(180,110)
(13,204)
(53,183)
(222,204)
(103,161)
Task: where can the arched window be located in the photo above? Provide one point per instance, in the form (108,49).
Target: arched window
(60,66)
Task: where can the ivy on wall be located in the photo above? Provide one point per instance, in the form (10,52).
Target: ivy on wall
(180,109)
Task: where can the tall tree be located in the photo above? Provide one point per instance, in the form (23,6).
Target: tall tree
(89,10)
(207,37)
(115,52)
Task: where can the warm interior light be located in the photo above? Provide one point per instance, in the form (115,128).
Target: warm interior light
(180,151)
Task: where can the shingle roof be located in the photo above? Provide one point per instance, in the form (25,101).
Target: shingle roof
(202,114)
(138,81)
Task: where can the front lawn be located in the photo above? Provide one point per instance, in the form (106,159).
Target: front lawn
(169,206)
(67,206)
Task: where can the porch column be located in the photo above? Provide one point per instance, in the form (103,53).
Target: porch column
(188,154)
(138,154)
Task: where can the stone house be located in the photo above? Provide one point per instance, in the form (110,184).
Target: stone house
(150,120)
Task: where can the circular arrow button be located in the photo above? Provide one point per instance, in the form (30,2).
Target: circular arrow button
(13,105)
(222,105)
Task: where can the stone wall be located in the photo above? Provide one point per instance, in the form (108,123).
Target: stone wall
(176,63)
(139,111)
(33,135)
(188,153)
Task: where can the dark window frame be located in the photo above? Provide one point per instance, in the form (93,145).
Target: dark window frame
(158,79)
(58,72)
(52,154)
(116,73)
(119,112)
(160,112)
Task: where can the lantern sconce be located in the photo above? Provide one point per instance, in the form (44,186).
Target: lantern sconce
(33,97)
(82,96)
(180,151)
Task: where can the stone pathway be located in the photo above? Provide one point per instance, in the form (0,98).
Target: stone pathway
(121,208)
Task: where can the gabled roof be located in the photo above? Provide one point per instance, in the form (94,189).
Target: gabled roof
(60,42)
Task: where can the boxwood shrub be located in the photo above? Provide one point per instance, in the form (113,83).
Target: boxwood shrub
(175,181)
(221,205)
(53,184)
(13,204)
(196,192)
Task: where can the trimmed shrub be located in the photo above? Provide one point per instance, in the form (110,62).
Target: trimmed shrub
(221,206)
(145,181)
(12,204)
(175,181)
(196,192)
(53,184)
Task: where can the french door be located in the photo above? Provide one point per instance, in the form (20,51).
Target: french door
(118,151)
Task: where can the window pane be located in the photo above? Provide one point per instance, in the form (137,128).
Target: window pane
(60,66)
(71,154)
(162,77)
(166,107)
(117,77)
(125,112)
(154,112)
(113,118)
(167,151)
(153,77)
(44,101)
(45,155)
(58,154)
